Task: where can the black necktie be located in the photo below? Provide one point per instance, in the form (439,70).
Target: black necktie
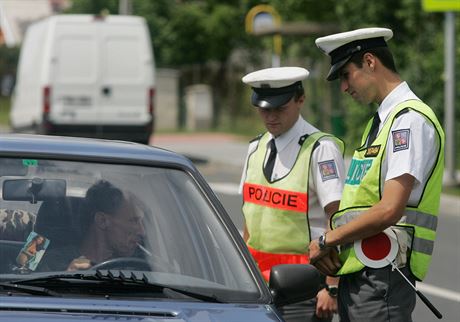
(374,129)
(268,169)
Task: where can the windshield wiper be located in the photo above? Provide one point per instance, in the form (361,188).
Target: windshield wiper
(120,280)
(98,276)
(34,290)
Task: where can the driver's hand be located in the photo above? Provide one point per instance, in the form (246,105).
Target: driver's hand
(80,263)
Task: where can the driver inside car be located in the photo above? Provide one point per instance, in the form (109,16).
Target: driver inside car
(113,226)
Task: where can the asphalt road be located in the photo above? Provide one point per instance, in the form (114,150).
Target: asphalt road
(220,159)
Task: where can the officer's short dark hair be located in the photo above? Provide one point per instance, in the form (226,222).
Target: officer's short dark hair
(382,53)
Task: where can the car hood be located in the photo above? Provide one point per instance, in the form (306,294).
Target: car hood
(15,309)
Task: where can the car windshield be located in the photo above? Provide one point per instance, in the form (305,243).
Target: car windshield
(59,216)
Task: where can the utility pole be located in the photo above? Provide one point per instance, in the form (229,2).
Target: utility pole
(125,7)
(448,7)
(449,97)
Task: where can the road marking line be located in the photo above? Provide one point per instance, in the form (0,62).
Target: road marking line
(232,189)
(226,188)
(439,292)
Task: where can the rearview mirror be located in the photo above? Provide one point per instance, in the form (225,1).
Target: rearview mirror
(292,283)
(33,190)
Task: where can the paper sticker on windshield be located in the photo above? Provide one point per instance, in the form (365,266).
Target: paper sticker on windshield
(32,252)
(29,163)
(328,170)
(400,140)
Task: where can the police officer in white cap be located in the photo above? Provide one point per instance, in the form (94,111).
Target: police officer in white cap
(394,181)
(292,182)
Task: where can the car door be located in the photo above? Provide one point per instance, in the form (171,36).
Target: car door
(126,70)
(74,89)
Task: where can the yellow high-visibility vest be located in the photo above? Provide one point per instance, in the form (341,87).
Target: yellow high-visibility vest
(276,213)
(363,189)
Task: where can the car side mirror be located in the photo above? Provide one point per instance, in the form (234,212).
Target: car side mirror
(292,283)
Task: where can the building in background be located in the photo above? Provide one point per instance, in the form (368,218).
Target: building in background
(16,15)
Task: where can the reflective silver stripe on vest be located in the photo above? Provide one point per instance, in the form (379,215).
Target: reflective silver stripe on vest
(424,246)
(346,218)
(420,245)
(420,219)
(411,217)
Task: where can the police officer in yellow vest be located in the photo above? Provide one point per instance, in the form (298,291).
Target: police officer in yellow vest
(394,182)
(292,182)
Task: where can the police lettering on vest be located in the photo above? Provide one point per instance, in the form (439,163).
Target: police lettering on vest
(357,171)
(275,198)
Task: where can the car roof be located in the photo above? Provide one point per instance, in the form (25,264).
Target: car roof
(89,149)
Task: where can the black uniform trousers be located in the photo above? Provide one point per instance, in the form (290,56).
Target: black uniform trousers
(377,295)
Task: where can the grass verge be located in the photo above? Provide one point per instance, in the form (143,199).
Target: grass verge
(4,110)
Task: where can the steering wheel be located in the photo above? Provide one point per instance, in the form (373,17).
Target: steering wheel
(134,263)
(128,263)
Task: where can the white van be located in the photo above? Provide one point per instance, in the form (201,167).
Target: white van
(86,75)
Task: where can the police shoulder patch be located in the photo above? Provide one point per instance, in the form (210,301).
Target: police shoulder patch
(400,139)
(328,170)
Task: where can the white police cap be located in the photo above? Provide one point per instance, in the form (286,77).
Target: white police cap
(274,87)
(340,47)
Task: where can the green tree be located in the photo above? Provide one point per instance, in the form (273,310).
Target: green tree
(93,6)
(417,46)
(206,41)
(8,61)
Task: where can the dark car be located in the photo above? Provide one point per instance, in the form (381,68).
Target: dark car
(104,230)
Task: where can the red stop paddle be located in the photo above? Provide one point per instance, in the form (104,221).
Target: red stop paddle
(381,250)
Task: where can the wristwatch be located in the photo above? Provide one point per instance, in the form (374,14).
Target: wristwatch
(322,241)
(333,290)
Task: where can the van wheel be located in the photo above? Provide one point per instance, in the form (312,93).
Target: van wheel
(40,129)
(144,141)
